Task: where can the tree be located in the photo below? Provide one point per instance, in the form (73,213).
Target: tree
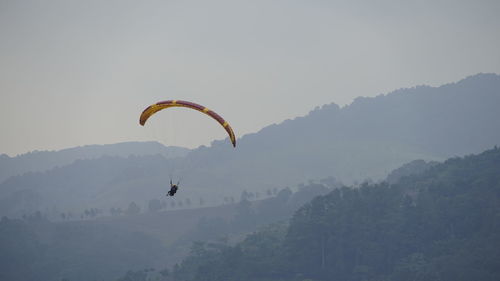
(133,209)
(269,193)
(244,195)
(439,225)
(245,217)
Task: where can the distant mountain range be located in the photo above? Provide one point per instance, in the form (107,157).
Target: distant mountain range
(441,223)
(46,160)
(364,140)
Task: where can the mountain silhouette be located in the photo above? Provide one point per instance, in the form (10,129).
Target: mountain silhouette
(364,140)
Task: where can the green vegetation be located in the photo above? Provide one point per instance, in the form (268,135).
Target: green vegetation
(431,222)
(104,248)
(364,140)
(442,224)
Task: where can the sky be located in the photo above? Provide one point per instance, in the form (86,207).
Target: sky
(75,73)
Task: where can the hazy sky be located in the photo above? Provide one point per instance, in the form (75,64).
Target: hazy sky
(80,72)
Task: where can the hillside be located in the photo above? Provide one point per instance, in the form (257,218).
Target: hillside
(39,161)
(427,210)
(106,247)
(364,140)
(441,224)
(98,249)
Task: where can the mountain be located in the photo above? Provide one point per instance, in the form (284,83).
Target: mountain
(415,167)
(440,224)
(364,140)
(105,247)
(46,160)
(97,249)
(105,182)
(420,226)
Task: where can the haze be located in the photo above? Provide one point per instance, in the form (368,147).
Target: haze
(80,72)
(368,140)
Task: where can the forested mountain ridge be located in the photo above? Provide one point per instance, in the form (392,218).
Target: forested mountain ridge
(412,168)
(384,231)
(39,161)
(103,183)
(34,248)
(105,247)
(366,139)
(441,224)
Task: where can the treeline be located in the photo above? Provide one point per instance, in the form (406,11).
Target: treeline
(442,224)
(153,205)
(42,250)
(250,214)
(75,249)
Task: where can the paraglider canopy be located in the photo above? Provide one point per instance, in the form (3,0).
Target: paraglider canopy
(152,109)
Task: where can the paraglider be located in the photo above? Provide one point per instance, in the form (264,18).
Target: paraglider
(152,109)
(173,188)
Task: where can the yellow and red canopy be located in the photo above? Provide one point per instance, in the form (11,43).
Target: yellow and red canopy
(152,109)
